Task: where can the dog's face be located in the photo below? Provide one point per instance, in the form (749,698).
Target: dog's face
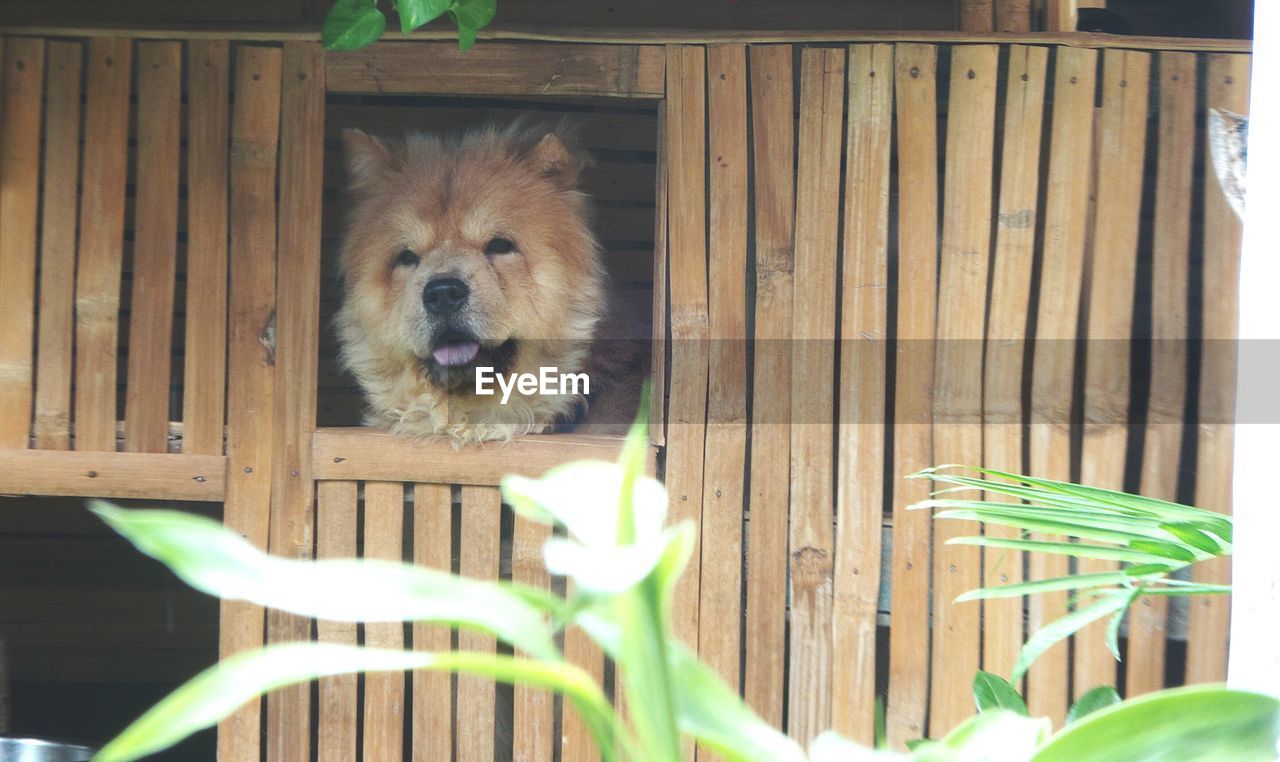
(462,253)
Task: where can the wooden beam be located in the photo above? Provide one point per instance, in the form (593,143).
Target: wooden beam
(150,476)
(499,69)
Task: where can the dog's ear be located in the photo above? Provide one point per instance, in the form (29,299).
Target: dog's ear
(367,158)
(556,160)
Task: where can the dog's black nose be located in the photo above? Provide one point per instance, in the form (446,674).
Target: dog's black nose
(445,296)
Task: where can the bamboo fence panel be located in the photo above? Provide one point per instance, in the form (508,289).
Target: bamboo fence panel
(384,692)
(155,248)
(205,356)
(1013,16)
(478,559)
(1121,145)
(957,409)
(54,361)
(1053,359)
(533,711)
(337,517)
(1170,263)
(864,331)
(720,595)
(1002,408)
(773,201)
(250,409)
(813,326)
(977,15)
(433,705)
(915,82)
(1226,87)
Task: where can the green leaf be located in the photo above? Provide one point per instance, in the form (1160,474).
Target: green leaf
(218,691)
(217,561)
(1146,570)
(1163,549)
(1194,724)
(415,13)
(880,734)
(995,735)
(833,747)
(1044,522)
(1070,582)
(1094,699)
(352,25)
(1076,549)
(1113,628)
(994,692)
(1191,535)
(471,16)
(1045,637)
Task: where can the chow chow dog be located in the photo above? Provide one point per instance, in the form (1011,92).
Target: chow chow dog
(474,251)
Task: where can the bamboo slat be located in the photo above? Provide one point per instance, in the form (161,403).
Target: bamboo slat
(384,698)
(432,689)
(822,80)
(773,200)
(155,242)
(499,69)
(19,196)
(106,123)
(1013,15)
(1121,153)
(111,474)
(1002,432)
(720,595)
(54,362)
(1226,86)
(576,742)
(915,80)
(1060,15)
(687,284)
(957,410)
(296,353)
(1144,660)
(355,453)
(337,518)
(481,514)
(977,15)
(250,391)
(1053,354)
(864,330)
(533,714)
(205,346)
(658,351)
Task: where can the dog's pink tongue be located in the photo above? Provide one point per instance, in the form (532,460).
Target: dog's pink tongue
(453,353)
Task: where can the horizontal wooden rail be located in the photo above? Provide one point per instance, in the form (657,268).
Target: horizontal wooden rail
(368,454)
(499,68)
(150,476)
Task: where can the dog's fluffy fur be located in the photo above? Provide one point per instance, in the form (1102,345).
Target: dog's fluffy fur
(427,208)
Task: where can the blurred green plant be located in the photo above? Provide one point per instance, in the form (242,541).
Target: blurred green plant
(356,24)
(623,564)
(1151,539)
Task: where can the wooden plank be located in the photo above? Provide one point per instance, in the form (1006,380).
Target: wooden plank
(337,519)
(813,325)
(773,200)
(250,392)
(658,350)
(54,363)
(1002,432)
(478,559)
(106,123)
(383,691)
(977,15)
(155,252)
(864,330)
(296,352)
(1144,660)
(1012,15)
(915,79)
(687,284)
(577,745)
(1053,354)
(141,476)
(1226,86)
(19,197)
(720,594)
(1121,153)
(497,68)
(957,411)
(432,689)
(205,348)
(359,453)
(534,710)
(1060,15)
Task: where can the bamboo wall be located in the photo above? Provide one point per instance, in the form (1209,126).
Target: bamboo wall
(868,259)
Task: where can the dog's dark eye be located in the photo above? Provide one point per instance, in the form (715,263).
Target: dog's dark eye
(407,259)
(499,246)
